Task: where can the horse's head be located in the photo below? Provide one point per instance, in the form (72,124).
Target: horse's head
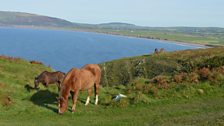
(36,83)
(62,105)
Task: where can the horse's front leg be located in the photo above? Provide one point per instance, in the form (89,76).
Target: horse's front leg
(88,98)
(75,97)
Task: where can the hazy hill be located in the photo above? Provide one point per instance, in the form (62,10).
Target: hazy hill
(26,19)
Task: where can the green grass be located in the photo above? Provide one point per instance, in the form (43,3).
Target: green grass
(180,104)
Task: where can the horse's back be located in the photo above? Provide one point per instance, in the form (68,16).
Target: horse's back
(52,77)
(94,69)
(87,79)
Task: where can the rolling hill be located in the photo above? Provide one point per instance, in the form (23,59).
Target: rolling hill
(26,19)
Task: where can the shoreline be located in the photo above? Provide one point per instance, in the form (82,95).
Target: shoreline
(116,34)
(162,40)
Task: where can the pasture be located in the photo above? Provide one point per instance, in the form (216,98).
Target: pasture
(184,103)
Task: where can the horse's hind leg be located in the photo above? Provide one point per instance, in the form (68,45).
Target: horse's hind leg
(88,98)
(96,86)
(59,86)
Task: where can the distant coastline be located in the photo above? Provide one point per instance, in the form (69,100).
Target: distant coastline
(206,36)
(201,45)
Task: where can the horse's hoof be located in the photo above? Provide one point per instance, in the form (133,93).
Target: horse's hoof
(73,111)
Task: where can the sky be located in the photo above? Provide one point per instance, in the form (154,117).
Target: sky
(154,13)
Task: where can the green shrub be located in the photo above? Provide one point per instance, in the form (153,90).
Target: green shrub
(216,78)
(140,98)
(106,100)
(193,77)
(216,61)
(120,103)
(153,91)
(139,86)
(147,88)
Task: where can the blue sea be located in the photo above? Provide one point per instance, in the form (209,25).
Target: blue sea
(63,50)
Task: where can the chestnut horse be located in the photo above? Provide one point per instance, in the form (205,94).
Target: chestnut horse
(47,78)
(76,80)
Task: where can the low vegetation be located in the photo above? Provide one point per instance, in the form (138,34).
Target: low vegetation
(165,65)
(177,88)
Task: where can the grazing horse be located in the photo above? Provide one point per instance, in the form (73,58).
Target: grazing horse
(156,51)
(161,50)
(47,78)
(76,80)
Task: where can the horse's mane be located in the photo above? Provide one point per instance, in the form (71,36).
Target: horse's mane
(66,80)
(59,72)
(41,74)
(69,75)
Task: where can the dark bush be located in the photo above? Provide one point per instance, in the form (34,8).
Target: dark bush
(161,81)
(204,73)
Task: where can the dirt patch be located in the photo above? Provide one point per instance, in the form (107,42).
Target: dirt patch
(5,100)
(2,85)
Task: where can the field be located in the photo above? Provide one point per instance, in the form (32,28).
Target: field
(207,37)
(154,98)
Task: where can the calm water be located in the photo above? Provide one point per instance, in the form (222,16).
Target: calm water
(63,50)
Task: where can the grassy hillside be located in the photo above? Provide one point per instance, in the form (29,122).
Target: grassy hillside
(123,71)
(150,100)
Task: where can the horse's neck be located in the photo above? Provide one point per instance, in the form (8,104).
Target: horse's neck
(65,91)
(41,75)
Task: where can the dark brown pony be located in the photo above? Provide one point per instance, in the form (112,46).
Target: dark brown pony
(156,51)
(47,78)
(76,80)
(35,62)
